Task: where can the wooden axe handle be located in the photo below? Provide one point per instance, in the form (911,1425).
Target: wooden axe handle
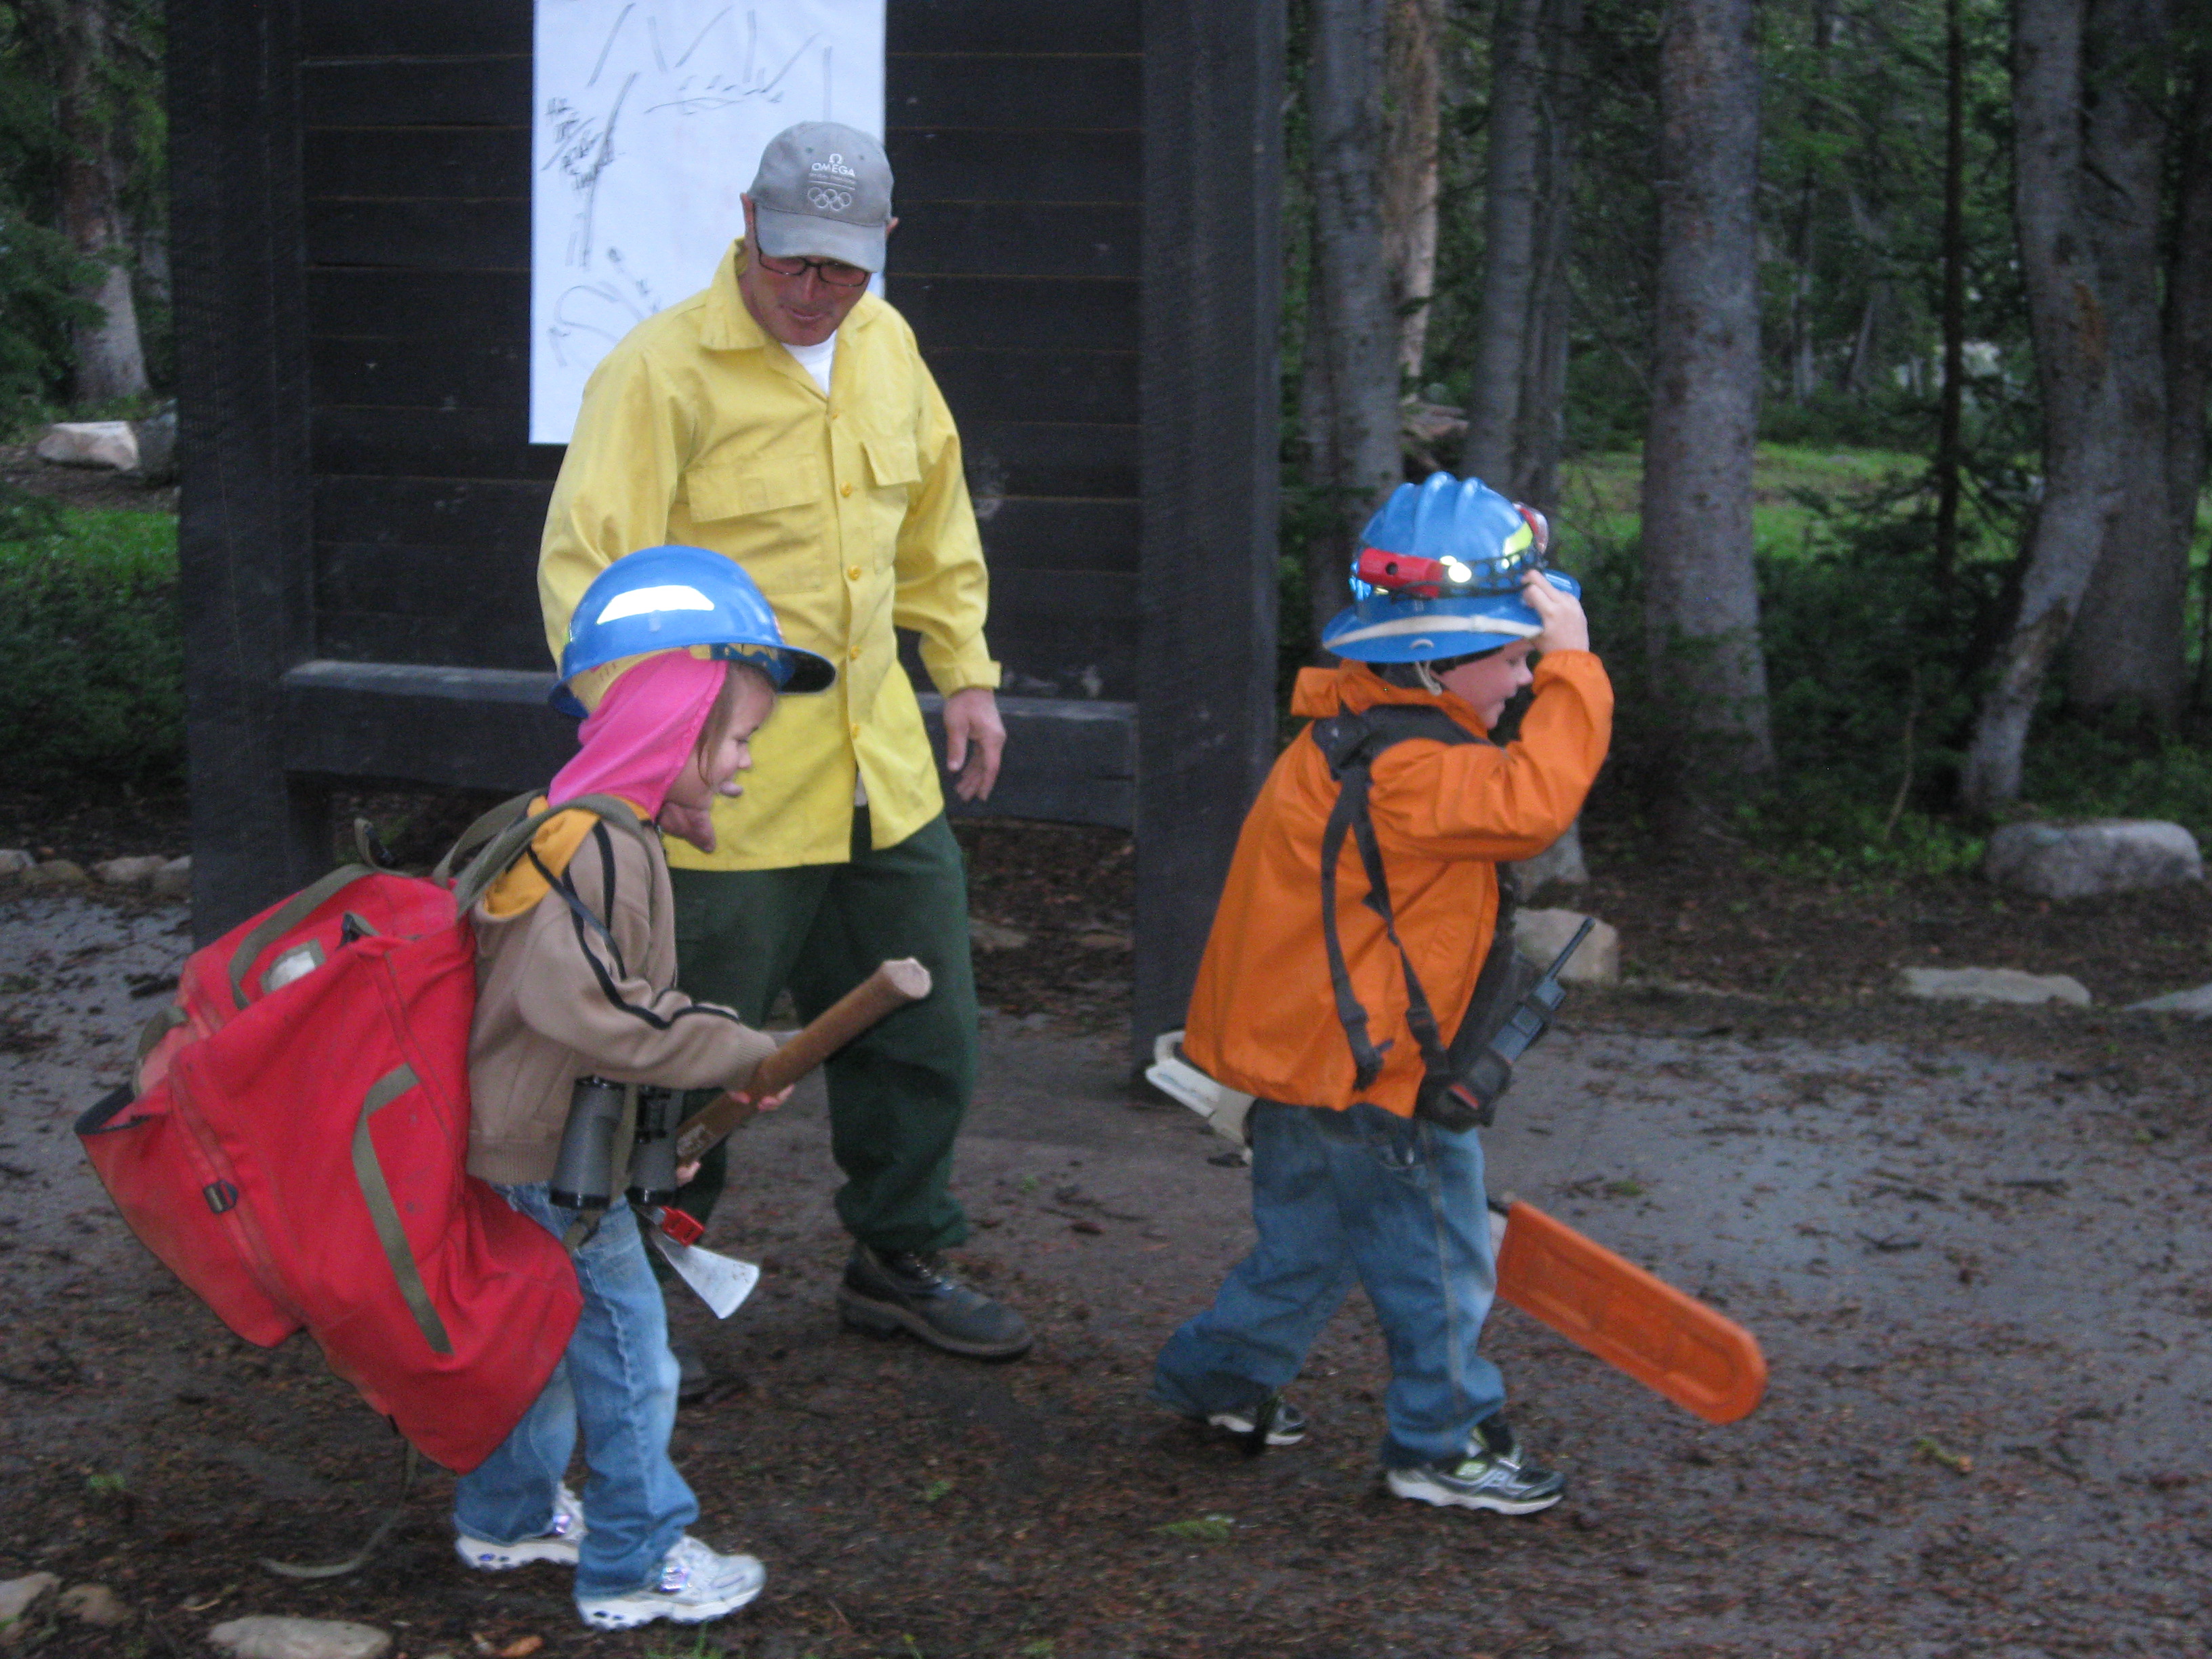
(890,988)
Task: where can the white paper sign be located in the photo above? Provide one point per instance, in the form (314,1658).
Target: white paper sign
(650,118)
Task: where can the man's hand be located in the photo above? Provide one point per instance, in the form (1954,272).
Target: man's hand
(1565,628)
(975,737)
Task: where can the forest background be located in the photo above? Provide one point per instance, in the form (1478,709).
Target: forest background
(1859,352)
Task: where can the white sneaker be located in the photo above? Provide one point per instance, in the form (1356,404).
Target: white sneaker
(696,1585)
(558,1543)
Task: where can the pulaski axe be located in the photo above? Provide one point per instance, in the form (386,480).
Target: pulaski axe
(889,988)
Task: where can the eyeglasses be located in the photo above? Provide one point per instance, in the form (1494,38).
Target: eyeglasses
(836,272)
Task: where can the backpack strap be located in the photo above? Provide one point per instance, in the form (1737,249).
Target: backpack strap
(361,1557)
(486,826)
(504,847)
(285,917)
(1349,743)
(383,1214)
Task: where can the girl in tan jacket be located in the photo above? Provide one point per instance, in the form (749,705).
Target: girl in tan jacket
(576,977)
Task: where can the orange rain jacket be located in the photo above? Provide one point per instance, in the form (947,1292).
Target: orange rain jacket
(1263,1018)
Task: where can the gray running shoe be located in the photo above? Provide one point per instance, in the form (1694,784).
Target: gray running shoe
(1495,1474)
(695,1585)
(1286,1424)
(558,1543)
(887,1291)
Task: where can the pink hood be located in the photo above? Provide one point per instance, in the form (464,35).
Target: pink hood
(644,732)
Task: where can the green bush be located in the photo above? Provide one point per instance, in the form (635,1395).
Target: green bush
(1872,672)
(2116,766)
(40,274)
(92,656)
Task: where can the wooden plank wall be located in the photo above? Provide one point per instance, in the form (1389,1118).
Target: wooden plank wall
(363,510)
(1015,133)
(242,388)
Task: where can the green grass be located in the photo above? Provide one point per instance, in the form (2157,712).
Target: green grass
(1598,493)
(91,652)
(118,539)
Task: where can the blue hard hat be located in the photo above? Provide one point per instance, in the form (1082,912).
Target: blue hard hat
(1482,543)
(670,599)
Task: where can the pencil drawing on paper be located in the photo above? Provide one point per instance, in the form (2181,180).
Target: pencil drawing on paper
(650,117)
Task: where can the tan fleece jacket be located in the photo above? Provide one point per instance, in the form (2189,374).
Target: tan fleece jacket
(568,990)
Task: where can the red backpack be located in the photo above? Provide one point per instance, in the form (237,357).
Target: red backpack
(294,1150)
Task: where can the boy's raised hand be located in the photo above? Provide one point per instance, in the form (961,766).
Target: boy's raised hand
(1565,628)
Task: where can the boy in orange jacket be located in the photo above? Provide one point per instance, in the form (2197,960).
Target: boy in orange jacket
(1355,1171)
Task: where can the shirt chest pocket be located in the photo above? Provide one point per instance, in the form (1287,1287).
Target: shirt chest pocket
(768,518)
(892,463)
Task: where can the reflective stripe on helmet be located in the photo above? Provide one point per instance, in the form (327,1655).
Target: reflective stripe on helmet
(644,601)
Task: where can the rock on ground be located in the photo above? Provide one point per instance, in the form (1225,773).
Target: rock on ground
(157,446)
(91,443)
(54,873)
(174,878)
(94,1604)
(1540,935)
(1562,861)
(13,861)
(19,1596)
(1993,985)
(2198,1000)
(2103,855)
(990,936)
(129,871)
(266,1637)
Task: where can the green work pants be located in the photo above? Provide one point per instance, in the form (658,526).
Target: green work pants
(898,1092)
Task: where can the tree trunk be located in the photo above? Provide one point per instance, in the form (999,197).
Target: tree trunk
(2188,314)
(2129,641)
(109,361)
(1804,358)
(2068,320)
(1509,228)
(1950,446)
(1413,51)
(1541,439)
(1350,402)
(1701,594)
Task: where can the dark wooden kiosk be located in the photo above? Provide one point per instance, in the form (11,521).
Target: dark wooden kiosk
(1090,196)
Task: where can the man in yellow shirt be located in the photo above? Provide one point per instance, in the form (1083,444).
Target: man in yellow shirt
(784,417)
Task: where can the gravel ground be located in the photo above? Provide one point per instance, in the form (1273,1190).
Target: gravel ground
(1972,1245)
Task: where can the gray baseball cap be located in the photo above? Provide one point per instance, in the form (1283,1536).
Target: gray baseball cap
(823,192)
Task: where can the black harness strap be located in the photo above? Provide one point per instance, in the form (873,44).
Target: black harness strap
(1350,742)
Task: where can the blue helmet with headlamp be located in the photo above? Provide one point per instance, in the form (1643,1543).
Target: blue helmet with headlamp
(1439,575)
(673,599)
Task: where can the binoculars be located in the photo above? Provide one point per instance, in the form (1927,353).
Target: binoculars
(584,1173)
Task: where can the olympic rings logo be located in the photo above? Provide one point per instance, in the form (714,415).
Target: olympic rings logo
(827,198)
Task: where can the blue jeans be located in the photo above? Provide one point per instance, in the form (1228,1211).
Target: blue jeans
(1396,1202)
(617,1383)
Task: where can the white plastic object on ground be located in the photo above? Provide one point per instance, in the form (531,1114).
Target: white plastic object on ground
(1223,1108)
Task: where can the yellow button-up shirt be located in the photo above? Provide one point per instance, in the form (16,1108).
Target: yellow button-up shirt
(850,511)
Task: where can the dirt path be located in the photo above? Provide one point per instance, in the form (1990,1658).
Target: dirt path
(1972,1247)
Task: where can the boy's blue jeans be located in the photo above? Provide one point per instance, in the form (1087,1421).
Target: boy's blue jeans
(1395,1201)
(617,1383)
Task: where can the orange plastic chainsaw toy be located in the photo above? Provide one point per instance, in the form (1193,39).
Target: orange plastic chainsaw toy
(1632,1320)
